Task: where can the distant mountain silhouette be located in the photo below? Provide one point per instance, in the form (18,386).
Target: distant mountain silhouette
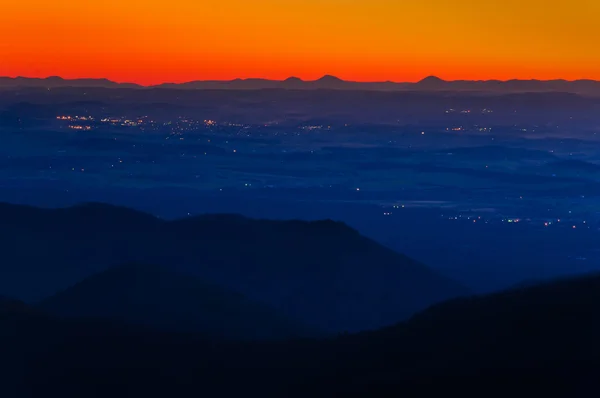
(322,274)
(430,83)
(56,82)
(293,83)
(432,79)
(329,79)
(159,297)
(540,338)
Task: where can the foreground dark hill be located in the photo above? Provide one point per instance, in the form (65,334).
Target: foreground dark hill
(542,336)
(539,340)
(322,274)
(52,357)
(159,297)
(9,306)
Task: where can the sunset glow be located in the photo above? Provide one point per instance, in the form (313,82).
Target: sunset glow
(152,41)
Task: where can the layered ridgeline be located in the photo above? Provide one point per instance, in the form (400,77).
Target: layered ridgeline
(166,300)
(321,274)
(327,82)
(540,339)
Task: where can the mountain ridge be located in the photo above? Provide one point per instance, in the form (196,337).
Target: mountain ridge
(542,336)
(161,298)
(430,83)
(323,274)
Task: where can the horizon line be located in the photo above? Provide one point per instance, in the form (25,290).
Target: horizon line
(326,76)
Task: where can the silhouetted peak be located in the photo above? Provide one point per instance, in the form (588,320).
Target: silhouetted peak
(330,79)
(293,80)
(432,80)
(8,305)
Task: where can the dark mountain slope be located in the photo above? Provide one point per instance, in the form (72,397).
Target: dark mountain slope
(543,336)
(159,297)
(534,341)
(48,357)
(10,306)
(320,271)
(47,250)
(323,274)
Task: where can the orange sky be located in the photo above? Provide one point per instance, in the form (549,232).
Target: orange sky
(152,41)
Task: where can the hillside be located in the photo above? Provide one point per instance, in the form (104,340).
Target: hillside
(539,339)
(155,296)
(322,274)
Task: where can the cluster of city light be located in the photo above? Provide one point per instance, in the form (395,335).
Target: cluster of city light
(77,118)
(476,219)
(79,127)
(467,111)
(123,122)
(311,128)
